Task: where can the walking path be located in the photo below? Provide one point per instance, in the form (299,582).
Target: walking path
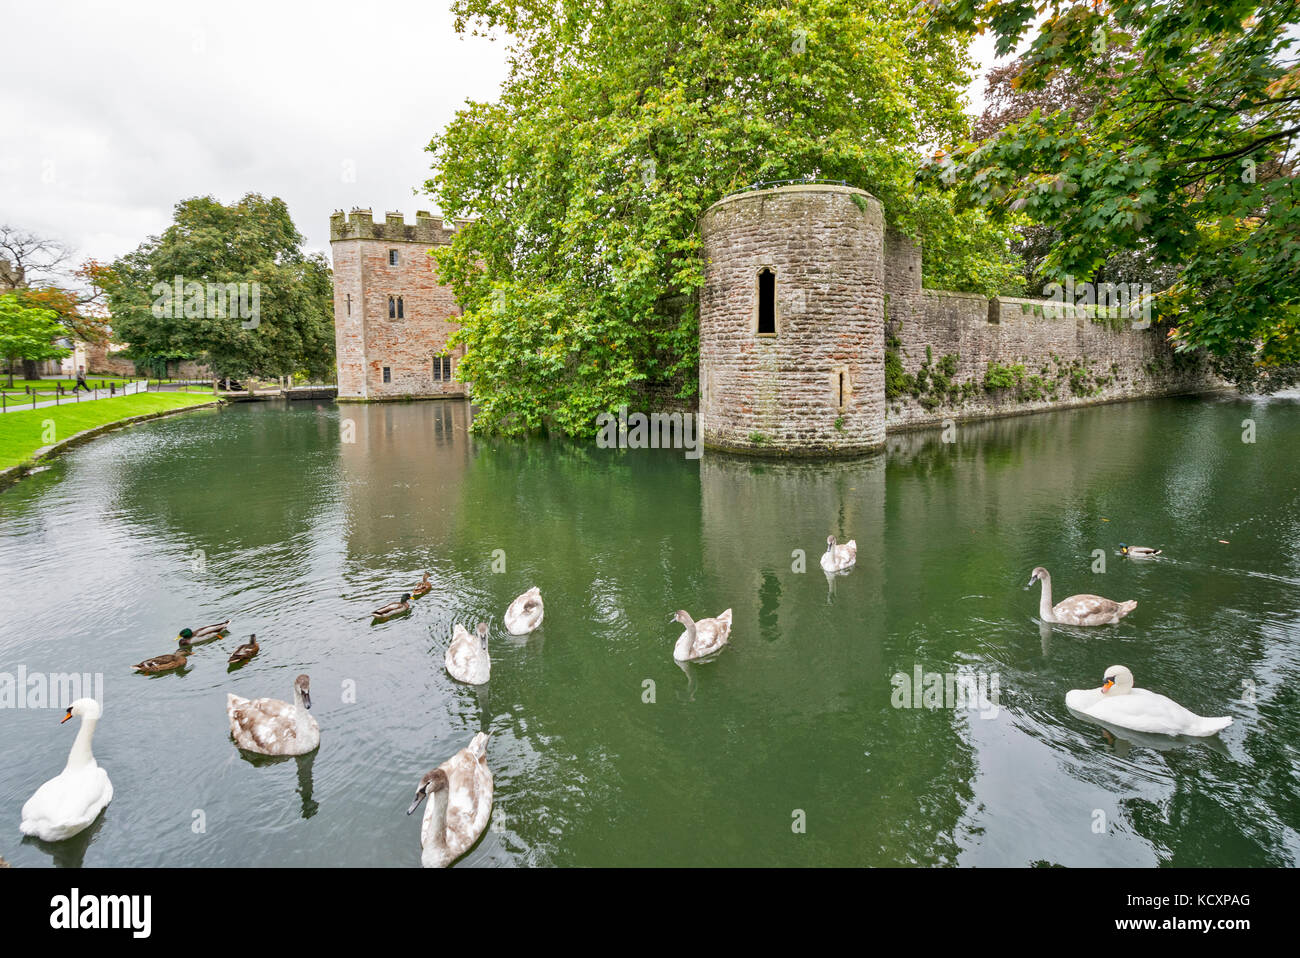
(127,389)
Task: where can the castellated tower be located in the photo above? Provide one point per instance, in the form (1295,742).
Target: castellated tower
(392,317)
(792,321)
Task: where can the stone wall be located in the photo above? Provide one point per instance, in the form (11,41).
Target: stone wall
(367,339)
(816,385)
(964,356)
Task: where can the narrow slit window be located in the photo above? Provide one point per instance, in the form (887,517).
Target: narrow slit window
(401,309)
(388,374)
(392,307)
(841,400)
(766,301)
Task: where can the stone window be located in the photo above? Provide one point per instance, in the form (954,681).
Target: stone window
(765,302)
(401,311)
(841,387)
(388,374)
(442,369)
(396,308)
(392,257)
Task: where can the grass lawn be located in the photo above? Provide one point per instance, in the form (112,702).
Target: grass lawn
(22,433)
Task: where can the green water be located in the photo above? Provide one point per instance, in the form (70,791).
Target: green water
(785,751)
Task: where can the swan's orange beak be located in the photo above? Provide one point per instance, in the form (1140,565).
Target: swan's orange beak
(66,717)
(1109,683)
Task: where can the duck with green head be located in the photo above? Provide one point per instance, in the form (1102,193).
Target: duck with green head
(1138,552)
(204,633)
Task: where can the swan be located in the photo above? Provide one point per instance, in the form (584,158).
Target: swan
(1118,703)
(460,803)
(394,608)
(525,613)
(1077,609)
(245,651)
(72,800)
(467,656)
(272,727)
(837,558)
(702,638)
(1138,552)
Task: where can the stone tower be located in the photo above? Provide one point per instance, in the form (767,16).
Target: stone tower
(392,317)
(792,321)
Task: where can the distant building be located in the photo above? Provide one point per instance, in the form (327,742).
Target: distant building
(392,316)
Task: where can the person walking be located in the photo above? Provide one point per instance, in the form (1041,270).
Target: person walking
(81,381)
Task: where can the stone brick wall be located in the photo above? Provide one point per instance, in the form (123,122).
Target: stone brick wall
(1053,356)
(367,340)
(817,384)
(102,358)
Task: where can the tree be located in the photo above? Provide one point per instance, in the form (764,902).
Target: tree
(37,270)
(1190,165)
(229,285)
(28,333)
(618,125)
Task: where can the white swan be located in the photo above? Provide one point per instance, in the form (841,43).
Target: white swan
(72,800)
(467,657)
(702,638)
(837,558)
(525,613)
(1118,703)
(1081,609)
(272,727)
(460,803)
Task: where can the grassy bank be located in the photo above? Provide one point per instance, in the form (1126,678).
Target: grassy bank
(22,433)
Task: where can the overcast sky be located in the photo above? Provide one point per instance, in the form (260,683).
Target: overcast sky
(111,113)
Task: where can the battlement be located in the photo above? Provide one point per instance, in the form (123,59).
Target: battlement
(428,230)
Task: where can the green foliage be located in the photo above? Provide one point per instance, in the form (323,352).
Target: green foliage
(998,376)
(897,381)
(618,125)
(28,332)
(252,241)
(1188,166)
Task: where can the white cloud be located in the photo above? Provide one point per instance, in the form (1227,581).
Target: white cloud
(117,114)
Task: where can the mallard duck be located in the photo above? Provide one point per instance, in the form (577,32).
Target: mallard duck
(467,657)
(162,663)
(702,638)
(393,608)
(423,587)
(1118,703)
(1077,609)
(1138,552)
(525,613)
(837,558)
(245,651)
(460,803)
(273,727)
(202,633)
(72,800)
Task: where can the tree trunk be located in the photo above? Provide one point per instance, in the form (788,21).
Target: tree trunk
(29,369)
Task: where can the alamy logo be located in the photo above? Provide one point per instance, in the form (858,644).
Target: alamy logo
(52,690)
(1130,300)
(73,911)
(193,300)
(658,430)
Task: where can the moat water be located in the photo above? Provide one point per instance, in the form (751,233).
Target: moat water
(786,750)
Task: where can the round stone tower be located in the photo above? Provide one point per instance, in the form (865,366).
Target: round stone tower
(792,322)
